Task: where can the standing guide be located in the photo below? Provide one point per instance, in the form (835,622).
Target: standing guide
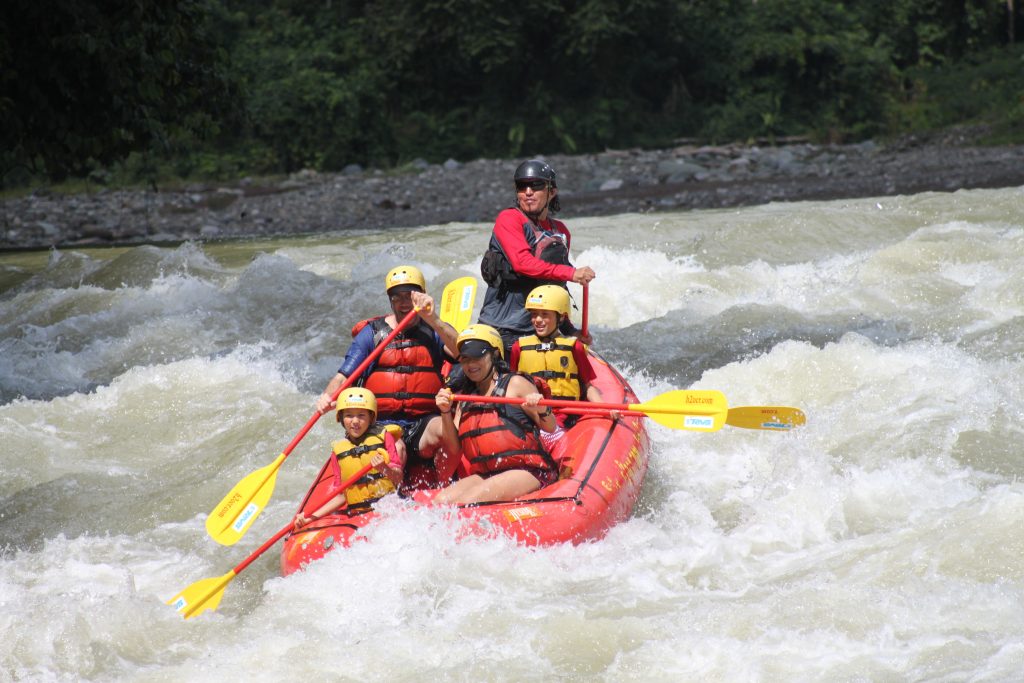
(528,248)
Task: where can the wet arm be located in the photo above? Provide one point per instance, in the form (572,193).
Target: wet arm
(362,346)
(330,506)
(447,460)
(542,416)
(324,402)
(428,314)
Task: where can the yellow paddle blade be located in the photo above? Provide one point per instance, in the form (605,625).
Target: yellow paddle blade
(238,510)
(201,595)
(698,410)
(457,302)
(777,418)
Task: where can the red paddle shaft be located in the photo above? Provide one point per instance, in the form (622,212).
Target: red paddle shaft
(354,376)
(553,402)
(288,527)
(586,310)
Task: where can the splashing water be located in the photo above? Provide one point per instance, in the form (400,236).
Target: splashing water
(879,542)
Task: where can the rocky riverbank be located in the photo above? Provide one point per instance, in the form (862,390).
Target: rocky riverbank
(684,177)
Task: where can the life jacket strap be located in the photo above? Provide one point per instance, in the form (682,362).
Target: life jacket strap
(403,395)
(407,369)
(554,374)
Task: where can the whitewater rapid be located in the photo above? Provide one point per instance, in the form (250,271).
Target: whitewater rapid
(882,541)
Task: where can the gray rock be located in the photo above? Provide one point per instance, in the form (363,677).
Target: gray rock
(678,170)
(611,182)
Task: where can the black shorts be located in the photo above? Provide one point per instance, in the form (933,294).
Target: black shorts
(412,431)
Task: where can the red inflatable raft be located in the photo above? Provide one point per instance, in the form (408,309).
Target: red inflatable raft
(602,462)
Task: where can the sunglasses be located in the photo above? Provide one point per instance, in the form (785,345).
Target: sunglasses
(535,185)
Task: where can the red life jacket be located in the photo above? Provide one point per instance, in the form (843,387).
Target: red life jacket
(407,375)
(499,436)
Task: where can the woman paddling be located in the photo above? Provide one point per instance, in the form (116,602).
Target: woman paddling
(500,441)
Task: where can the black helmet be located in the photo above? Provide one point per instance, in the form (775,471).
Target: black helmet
(535,168)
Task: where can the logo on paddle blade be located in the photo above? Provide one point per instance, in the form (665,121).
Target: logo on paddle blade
(248,513)
(467,298)
(699,422)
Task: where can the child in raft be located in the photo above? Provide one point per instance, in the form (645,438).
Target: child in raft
(365,442)
(560,361)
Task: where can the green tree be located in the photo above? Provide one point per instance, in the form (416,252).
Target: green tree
(312,97)
(803,66)
(85,82)
(498,77)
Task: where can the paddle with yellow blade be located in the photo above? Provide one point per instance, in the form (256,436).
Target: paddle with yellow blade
(457,302)
(206,593)
(775,418)
(238,510)
(233,516)
(698,410)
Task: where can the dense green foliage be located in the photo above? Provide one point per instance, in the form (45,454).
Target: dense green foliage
(85,83)
(222,87)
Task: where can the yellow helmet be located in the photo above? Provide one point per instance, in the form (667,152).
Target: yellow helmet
(404,275)
(480,333)
(356,397)
(548,298)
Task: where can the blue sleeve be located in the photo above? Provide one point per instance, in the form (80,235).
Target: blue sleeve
(362,347)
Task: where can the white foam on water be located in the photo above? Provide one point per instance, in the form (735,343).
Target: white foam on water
(880,541)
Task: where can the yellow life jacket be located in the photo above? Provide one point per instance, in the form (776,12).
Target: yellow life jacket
(552,361)
(353,456)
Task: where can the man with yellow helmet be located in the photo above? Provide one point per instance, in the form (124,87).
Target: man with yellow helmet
(366,442)
(559,360)
(407,375)
(500,441)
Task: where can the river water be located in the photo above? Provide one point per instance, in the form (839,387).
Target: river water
(881,542)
